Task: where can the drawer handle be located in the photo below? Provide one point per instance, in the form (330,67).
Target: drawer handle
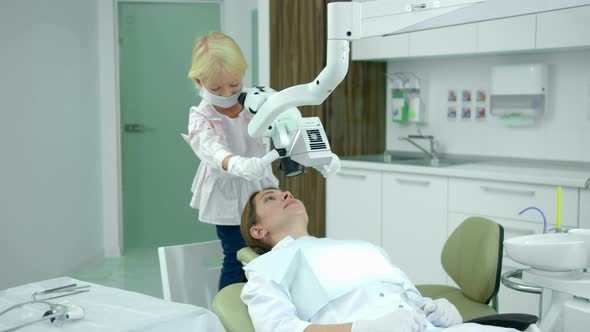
(508,191)
(413,182)
(354,176)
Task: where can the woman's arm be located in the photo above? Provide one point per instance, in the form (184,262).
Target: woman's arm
(271,309)
(329,328)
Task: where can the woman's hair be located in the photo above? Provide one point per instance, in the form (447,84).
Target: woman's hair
(249,219)
(215,53)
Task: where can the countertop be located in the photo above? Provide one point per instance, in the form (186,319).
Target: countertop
(568,174)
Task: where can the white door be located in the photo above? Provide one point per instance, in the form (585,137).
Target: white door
(353,205)
(415,224)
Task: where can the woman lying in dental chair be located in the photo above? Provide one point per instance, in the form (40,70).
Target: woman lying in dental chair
(308,284)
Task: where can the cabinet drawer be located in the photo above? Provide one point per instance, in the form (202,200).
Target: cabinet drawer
(563,28)
(461,39)
(414,221)
(505,200)
(509,34)
(353,205)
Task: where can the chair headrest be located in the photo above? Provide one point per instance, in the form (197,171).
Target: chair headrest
(246,255)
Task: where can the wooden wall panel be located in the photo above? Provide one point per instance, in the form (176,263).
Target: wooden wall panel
(355,111)
(297,28)
(353,116)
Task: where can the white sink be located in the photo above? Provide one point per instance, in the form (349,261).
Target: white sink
(551,252)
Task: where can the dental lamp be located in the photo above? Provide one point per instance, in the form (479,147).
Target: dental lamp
(302,142)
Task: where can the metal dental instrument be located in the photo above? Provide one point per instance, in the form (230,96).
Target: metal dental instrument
(70,289)
(57,314)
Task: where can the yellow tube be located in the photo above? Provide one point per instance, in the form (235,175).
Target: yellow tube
(558,224)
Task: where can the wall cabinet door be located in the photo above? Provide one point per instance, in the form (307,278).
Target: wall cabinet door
(380,47)
(414,224)
(510,301)
(353,205)
(461,39)
(510,34)
(563,28)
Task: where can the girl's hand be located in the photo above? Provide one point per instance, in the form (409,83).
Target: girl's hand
(252,168)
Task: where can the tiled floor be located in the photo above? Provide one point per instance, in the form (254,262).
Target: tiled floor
(137,271)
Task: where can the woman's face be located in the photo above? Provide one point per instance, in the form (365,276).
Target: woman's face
(278,211)
(223,84)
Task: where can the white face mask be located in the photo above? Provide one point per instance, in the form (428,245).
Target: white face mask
(225,102)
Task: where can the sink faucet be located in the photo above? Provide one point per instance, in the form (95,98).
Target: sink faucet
(432,154)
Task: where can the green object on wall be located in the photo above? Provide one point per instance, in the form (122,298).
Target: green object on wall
(400,107)
(155,44)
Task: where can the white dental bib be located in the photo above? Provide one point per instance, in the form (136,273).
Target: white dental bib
(318,271)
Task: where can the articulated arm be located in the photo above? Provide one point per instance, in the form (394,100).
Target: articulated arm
(348,21)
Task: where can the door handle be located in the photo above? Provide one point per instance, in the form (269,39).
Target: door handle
(508,191)
(413,182)
(354,176)
(134,128)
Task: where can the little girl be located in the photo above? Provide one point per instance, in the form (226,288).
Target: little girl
(233,164)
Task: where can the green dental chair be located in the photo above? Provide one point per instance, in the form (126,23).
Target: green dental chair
(472,256)
(227,304)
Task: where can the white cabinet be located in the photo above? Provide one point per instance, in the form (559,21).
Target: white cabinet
(414,224)
(461,39)
(353,205)
(505,200)
(380,47)
(556,29)
(411,216)
(563,28)
(510,34)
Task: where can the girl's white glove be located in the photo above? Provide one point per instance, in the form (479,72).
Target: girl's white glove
(401,320)
(442,313)
(328,170)
(252,168)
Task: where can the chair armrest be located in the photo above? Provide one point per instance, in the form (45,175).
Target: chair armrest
(516,321)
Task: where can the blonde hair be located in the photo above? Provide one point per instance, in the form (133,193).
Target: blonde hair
(249,219)
(215,53)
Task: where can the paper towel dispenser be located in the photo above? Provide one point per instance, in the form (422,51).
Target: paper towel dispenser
(519,93)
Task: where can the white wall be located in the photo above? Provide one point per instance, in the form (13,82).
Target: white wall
(264,42)
(237,23)
(562,134)
(110,145)
(50,188)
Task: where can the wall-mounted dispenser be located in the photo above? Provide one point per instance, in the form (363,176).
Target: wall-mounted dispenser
(519,93)
(407,106)
(398,99)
